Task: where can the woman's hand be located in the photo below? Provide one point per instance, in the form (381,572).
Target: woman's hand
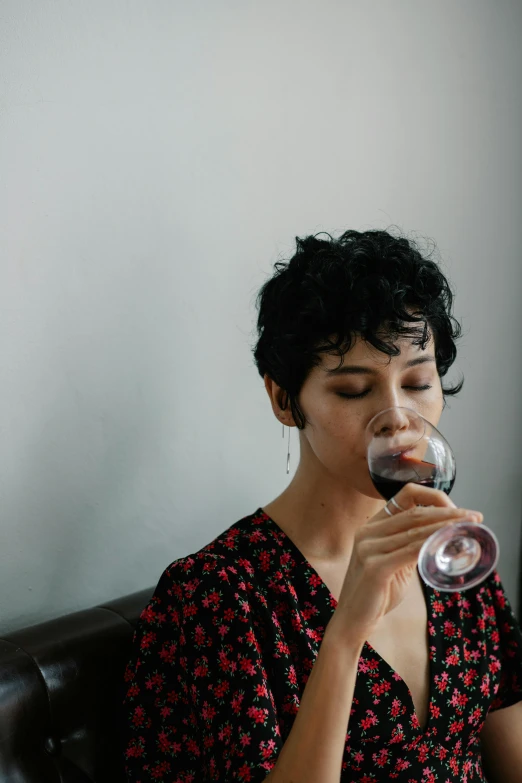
(384,557)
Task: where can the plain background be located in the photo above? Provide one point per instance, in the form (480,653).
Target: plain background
(156,158)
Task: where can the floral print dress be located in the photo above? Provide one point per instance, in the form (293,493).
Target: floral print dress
(222,652)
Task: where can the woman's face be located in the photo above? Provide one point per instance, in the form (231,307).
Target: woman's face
(334,437)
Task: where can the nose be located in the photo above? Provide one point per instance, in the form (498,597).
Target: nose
(400,427)
(391,421)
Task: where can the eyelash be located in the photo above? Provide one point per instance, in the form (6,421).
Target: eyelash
(364,393)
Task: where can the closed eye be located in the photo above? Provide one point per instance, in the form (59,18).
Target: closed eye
(364,393)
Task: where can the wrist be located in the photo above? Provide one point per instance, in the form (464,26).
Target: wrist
(339,635)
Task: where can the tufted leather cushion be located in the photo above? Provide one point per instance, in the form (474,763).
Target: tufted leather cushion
(61,687)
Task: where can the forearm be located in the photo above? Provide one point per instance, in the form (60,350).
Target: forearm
(314,748)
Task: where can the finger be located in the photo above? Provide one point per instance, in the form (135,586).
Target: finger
(418,495)
(415,495)
(387,564)
(417,516)
(410,500)
(412,535)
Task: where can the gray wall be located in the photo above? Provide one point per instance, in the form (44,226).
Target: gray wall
(155,160)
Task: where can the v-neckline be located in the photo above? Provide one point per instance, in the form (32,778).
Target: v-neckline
(333,603)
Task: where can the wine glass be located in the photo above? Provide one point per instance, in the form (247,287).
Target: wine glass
(403,447)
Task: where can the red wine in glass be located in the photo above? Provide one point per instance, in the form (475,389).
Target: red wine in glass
(387,472)
(403,448)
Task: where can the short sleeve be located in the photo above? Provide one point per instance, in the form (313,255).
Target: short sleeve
(198,705)
(506,638)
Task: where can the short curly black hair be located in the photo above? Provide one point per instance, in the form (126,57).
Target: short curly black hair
(369,284)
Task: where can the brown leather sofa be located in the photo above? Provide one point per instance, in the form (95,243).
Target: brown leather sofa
(61,687)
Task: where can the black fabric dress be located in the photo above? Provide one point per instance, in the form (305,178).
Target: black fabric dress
(222,653)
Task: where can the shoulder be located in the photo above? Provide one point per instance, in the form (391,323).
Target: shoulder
(490,596)
(221,571)
(488,608)
(484,608)
(228,555)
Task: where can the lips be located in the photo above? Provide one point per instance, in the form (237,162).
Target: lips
(398,452)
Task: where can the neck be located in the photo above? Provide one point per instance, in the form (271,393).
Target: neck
(321,516)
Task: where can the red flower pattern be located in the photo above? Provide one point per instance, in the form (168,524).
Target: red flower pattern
(222,653)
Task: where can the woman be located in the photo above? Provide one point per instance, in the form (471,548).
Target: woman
(301,645)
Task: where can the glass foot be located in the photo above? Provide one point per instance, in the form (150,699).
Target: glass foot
(458,557)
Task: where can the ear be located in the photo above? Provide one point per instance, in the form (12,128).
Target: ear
(278,398)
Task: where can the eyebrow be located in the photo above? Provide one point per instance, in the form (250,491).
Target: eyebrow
(355,369)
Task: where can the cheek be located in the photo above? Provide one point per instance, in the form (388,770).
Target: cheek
(335,432)
(431,406)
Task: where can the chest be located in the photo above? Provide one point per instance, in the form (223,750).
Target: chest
(401,638)
(402,641)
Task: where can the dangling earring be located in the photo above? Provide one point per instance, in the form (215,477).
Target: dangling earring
(288,455)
